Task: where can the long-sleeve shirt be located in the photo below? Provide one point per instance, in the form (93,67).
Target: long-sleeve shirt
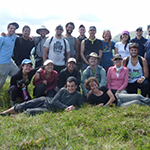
(117,83)
(51,81)
(100,75)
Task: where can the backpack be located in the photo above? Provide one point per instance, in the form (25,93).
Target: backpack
(65,54)
(97,73)
(139,58)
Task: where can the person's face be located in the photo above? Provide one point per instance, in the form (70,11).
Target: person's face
(93,61)
(11,30)
(139,32)
(49,67)
(117,62)
(71,66)
(71,87)
(69,29)
(124,37)
(59,31)
(93,86)
(92,32)
(107,35)
(149,31)
(43,33)
(26,68)
(26,32)
(82,31)
(133,52)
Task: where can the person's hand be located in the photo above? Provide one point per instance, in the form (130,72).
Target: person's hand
(99,105)
(70,108)
(45,82)
(141,80)
(3,34)
(117,91)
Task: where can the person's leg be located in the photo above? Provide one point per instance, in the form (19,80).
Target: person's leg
(13,68)
(51,93)
(34,111)
(144,87)
(132,87)
(39,90)
(4,71)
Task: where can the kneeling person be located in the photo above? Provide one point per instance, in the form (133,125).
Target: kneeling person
(66,99)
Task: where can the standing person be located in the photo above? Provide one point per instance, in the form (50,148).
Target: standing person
(117,75)
(7,67)
(80,38)
(39,42)
(108,46)
(20,81)
(23,46)
(138,71)
(73,42)
(57,49)
(47,81)
(122,47)
(66,99)
(70,70)
(89,45)
(140,40)
(148,30)
(93,70)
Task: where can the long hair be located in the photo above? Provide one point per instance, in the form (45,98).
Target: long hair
(128,41)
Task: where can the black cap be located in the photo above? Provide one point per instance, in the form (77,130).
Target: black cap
(14,24)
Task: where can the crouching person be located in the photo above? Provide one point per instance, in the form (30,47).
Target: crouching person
(66,99)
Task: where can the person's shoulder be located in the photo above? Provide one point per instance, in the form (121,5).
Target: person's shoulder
(103,88)
(63,71)
(55,72)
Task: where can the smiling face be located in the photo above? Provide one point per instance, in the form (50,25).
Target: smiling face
(93,61)
(11,30)
(69,29)
(71,66)
(92,32)
(26,32)
(26,68)
(71,87)
(43,33)
(93,86)
(49,67)
(133,52)
(117,62)
(59,31)
(107,35)
(82,31)
(125,37)
(139,32)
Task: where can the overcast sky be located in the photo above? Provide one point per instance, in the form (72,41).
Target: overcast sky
(115,15)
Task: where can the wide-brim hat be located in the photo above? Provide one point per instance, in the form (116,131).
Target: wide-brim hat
(93,54)
(117,56)
(42,28)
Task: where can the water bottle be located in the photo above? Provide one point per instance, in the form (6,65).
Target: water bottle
(25,95)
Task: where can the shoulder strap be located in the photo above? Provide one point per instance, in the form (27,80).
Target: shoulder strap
(39,40)
(140,61)
(98,72)
(50,41)
(65,54)
(127,61)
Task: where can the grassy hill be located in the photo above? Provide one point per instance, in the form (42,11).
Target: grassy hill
(132,35)
(88,128)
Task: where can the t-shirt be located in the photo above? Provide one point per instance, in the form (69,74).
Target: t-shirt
(104,98)
(123,52)
(107,54)
(22,49)
(6,48)
(57,50)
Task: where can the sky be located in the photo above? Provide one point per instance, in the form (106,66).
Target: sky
(115,15)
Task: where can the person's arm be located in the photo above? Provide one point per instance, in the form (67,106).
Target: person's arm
(124,61)
(82,52)
(116,50)
(145,71)
(103,81)
(111,97)
(109,78)
(45,52)
(76,49)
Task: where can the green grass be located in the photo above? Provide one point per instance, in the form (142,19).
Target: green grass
(88,128)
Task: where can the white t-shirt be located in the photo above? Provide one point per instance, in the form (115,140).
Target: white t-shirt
(123,52)
(57,50)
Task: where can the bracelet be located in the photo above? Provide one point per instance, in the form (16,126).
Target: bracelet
(106,105)
(143,77)
(38,71)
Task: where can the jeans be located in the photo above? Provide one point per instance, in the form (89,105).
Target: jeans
(125,99)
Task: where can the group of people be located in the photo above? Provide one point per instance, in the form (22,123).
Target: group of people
(107,76)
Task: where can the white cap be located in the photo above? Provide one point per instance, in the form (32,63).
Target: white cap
(48,61)
(72,60)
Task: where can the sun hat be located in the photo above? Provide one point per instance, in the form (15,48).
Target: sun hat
(47,62)
(26,61)
(93,54)
(42,28)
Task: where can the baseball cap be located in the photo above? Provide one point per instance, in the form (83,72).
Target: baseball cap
(26,61)
(59,26)
(125,31)
(92,28)
(72,60)
(47,62)
(139,28)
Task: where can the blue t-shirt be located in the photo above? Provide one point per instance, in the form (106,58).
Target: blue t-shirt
(107,54)
(6,48)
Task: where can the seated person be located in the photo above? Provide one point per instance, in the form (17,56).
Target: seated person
(47,81)
(70,70)
(103,96)
(117,75)
(138,71)
(66,99)
(93,70)
(20,81)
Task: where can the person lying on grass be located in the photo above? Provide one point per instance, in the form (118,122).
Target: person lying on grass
(66,99)
(103,96)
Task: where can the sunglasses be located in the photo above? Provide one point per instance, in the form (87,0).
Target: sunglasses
(139,30)
(117,59)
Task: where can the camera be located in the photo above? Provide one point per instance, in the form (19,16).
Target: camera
(20,82)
